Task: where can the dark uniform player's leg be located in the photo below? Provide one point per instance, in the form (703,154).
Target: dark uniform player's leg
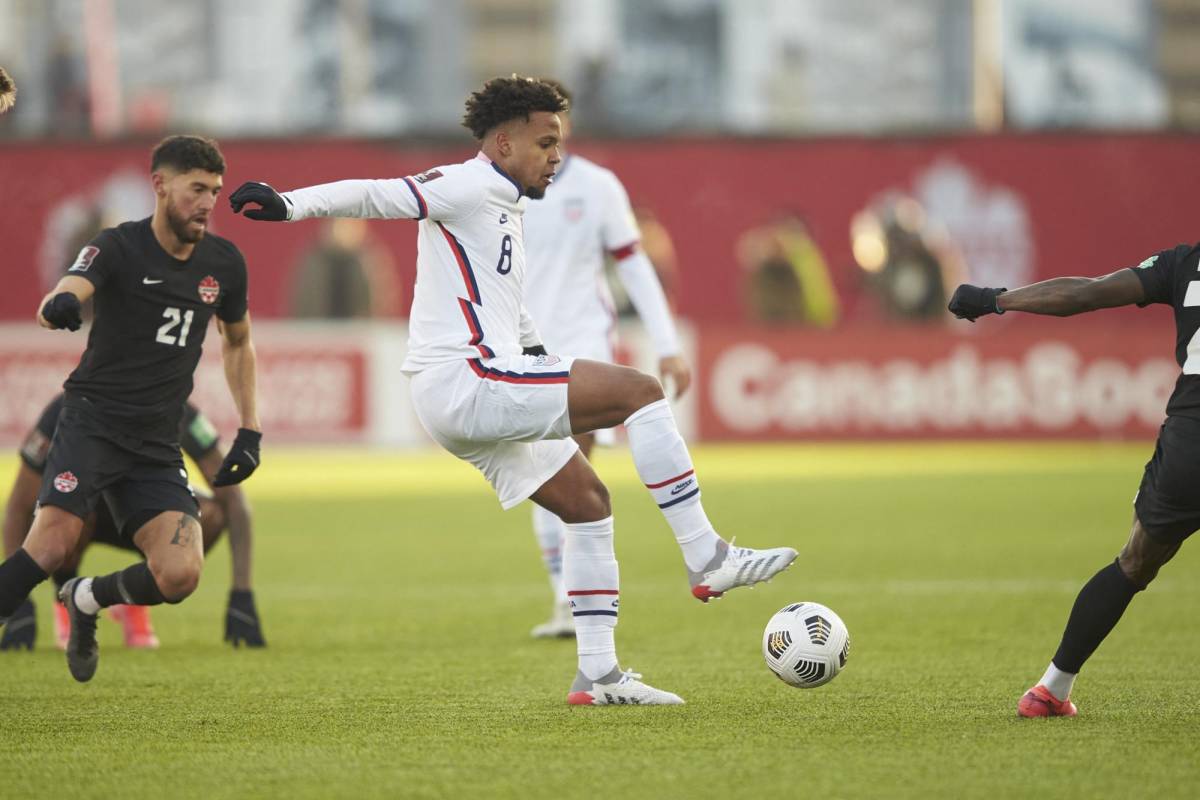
(1166,512)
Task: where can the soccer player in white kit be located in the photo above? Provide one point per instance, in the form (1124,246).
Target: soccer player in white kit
(584,218)
(483,395)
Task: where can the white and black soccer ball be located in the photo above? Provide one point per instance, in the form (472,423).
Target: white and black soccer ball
(806,645)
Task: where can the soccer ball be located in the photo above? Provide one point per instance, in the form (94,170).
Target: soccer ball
(806,645)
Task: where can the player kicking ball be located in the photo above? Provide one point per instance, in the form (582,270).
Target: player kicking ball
(486,390)
(1167,504)
(585,218)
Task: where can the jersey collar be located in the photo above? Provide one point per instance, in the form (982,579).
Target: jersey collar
(484,158)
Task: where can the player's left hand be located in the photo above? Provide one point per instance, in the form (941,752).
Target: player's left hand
(536,350)
(677,371)
(241,460)
(273,208)
(971,302)
(241,620)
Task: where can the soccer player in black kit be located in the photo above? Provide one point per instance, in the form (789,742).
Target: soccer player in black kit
(1167,504)
(156,284)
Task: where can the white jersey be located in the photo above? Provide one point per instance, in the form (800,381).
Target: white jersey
(585,217)
(470,255)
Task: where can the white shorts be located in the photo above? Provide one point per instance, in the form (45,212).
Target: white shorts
(593,348)
(507,416)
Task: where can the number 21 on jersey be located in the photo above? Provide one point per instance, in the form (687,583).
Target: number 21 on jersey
(173,316)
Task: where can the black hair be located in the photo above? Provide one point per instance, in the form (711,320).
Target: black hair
(186,153)
(504,99)
(563,91)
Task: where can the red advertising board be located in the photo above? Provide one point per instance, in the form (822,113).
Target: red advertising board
(1060,381)
(1019,207)
(310,388)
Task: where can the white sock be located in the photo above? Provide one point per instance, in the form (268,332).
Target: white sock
(85,601)
(548,529)
(592,583)
(665,467)
(1058,682)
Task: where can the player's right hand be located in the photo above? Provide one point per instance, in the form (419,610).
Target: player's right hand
(21,629)
(273,207)
(972,302)
(63,311)
(241,620)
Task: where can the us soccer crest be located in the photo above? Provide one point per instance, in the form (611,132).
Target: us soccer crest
(574,209)
(209,289)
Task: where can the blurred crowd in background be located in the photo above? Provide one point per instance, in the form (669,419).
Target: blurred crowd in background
(639,67)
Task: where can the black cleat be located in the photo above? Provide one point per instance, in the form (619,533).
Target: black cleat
(20,631)
(83,653)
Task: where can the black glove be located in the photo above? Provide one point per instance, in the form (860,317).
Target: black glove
(21,628)
(273,206)
(63,311)
(241,620)
(241,460)
(536,350)
(971,302)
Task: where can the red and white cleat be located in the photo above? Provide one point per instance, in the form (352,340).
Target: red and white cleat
(62,625)
(733,566)
(135,624)
(1038,702)
(618,689)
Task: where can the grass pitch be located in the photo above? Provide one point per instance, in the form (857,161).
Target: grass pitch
(396,599)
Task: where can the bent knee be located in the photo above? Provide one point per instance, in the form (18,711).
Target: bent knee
(177,581)
(589,505)
(644,390)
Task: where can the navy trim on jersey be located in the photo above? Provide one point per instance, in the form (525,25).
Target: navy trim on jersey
(464,266)
(509,178)
(421,207)
(476,329)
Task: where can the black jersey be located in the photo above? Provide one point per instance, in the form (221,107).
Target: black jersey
(197,436)
(1173,277)
(151,314)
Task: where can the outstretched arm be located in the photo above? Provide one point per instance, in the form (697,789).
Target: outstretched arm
(1058,297)
(1063,297)
(61,308)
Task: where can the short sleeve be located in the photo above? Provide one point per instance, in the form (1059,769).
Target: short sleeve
(236,300)
(197,436)
(444,193)
(1157,274)
(97,260)
(618,228)
(36,444)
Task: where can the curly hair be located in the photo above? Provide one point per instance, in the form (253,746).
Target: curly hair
(503,99)
(186,153)
(8,91)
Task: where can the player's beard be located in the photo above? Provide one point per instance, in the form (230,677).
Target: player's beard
(535,192)
(179,226)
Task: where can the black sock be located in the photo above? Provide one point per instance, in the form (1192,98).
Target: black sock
(61,576)
(134,586)
(1099,606)
(18,575)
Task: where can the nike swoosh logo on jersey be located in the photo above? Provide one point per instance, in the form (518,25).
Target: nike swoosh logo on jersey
(148,281)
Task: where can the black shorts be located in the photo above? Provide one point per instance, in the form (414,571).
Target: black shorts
(1168,501)
(136,478)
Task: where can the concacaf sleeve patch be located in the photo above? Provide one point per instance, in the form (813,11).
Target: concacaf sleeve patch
(85,258)
(426,177)
(1149,262)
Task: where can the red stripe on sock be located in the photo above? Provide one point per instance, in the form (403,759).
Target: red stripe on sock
(580,592)
(668,482)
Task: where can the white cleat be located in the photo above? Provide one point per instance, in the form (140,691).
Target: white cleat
(561,624)
(618,688)
(732,567)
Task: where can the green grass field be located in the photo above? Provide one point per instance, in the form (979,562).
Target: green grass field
(397,598)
